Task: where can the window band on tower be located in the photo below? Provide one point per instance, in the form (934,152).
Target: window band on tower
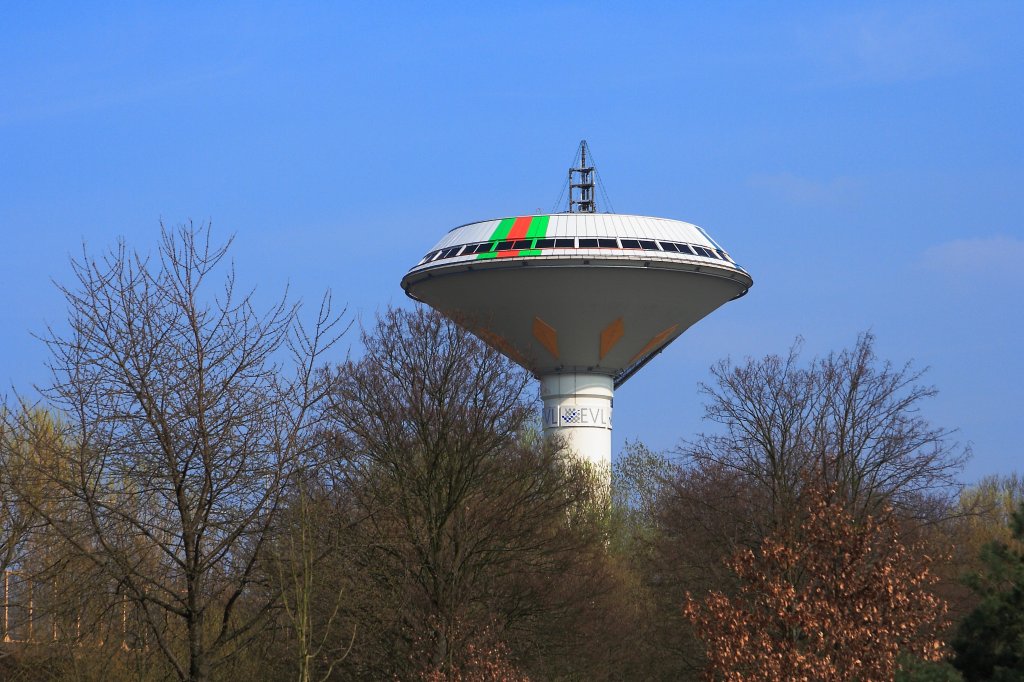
(505,248)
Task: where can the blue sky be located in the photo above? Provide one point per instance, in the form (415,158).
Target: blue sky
(864,161)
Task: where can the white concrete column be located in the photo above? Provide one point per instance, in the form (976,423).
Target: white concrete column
(578,407)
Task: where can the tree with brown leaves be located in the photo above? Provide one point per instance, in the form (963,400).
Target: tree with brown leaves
(832,599)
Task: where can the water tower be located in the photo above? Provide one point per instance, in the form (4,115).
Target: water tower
(582,299)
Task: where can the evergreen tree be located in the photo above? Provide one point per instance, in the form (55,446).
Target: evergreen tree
(989,644)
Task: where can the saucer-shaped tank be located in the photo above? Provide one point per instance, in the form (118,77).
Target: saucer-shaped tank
(577,292)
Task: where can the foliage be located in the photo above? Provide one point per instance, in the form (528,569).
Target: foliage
(986,511)
(834,599)
(27,437)
(913,669)
(304,541)
(485,659)
(188,503)
(981,515)
(989,644)
(848,422)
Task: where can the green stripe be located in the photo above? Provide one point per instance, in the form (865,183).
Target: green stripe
(502,230)
(538,227)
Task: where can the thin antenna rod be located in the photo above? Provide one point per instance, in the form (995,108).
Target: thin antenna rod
(581,184)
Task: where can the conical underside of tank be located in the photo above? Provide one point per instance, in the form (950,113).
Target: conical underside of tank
(588,318)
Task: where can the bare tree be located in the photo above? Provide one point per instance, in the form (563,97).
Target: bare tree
(302,554)
(25,436)
(17,521)
(851,419)
(462,515)
(181,432)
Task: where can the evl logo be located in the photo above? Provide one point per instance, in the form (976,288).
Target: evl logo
(577,415)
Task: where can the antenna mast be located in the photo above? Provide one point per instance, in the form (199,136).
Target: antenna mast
(581,184)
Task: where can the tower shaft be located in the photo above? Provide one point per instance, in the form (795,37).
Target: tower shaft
(578,410)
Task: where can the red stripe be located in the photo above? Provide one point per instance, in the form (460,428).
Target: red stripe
(519,228)
(518,231)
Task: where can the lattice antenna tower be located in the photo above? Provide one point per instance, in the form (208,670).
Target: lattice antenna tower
(581,183)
